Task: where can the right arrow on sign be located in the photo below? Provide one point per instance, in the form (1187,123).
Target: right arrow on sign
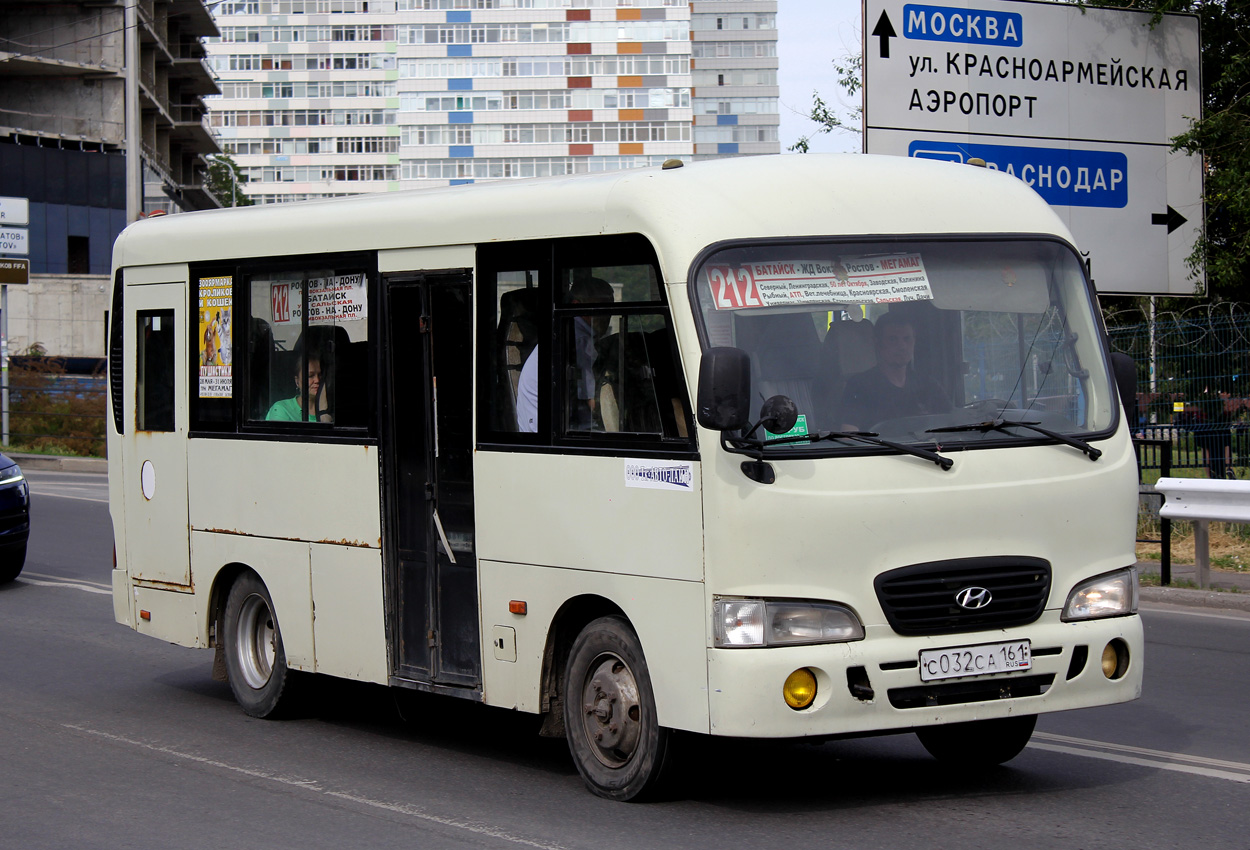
(1171,218)
(885,31)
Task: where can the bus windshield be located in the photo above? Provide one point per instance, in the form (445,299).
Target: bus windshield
(934,342)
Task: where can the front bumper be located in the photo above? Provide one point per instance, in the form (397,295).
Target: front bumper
(745,685)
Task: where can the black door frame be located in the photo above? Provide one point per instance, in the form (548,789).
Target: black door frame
(408,337)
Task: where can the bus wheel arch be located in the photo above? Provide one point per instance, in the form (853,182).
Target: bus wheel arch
(573,616)
(610,717)
(249,638)
(216,613)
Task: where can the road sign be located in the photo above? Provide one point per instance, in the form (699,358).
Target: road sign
(13,240)
(14,211)
(1081,104)
(14,271)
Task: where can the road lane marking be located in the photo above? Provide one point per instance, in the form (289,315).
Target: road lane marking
(1180,762)
(107,587)
(25,578)
(316,787)
(1187,613)
(39,491)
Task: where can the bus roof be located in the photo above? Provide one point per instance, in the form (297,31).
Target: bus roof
(681,210)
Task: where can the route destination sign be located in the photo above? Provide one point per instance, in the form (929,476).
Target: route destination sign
(1079,104)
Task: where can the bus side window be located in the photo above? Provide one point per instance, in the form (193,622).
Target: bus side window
(638,389)
(154,383)
(620,373)
(516,340)
(260,358)
(307,341)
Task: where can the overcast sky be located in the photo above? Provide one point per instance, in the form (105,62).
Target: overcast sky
(811,34)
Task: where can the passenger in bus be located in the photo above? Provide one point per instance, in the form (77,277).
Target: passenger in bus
(891,389)
(587,330)
(527,395)
(292,409)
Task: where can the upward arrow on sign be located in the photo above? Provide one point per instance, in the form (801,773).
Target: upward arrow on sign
(885,31)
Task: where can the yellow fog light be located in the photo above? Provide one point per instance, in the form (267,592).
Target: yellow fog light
(800,688)
(1115,659)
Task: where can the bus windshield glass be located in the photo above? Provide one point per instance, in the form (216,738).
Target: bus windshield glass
(921,342)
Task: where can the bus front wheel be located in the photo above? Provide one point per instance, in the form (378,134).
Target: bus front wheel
(616,741)
(980,743)
(255,659)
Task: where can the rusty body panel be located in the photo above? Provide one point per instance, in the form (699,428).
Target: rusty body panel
(356,544)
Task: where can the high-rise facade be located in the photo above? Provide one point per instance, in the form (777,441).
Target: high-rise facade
(734,77)
(333,97)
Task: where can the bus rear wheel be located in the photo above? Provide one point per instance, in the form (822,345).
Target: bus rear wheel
(616,741)
(255,658)
(981,743)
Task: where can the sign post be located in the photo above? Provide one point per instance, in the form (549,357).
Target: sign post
(14,216)
(1080,103)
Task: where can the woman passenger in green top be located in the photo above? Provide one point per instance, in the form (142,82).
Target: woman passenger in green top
(292,409)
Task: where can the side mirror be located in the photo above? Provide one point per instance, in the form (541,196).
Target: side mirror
(1125,371)
(779,414)
(724,389)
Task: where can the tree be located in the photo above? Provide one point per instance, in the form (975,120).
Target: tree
(850,80)
(223,178)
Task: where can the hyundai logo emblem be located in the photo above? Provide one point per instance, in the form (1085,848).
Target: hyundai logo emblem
(973,598)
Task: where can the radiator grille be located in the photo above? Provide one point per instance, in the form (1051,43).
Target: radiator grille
(920,599)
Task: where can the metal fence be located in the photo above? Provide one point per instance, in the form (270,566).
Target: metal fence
(1193,381)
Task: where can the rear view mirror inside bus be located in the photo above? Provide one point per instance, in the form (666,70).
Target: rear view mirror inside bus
(725,389)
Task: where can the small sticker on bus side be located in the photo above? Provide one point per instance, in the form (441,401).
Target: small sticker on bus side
(660,474)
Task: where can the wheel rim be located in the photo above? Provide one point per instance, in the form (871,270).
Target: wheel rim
(611,713)
(256,641)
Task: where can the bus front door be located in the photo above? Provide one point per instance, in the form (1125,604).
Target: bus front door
(154,458)
(428,438)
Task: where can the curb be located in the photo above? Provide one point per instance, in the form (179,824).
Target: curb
(1197,598)
(59,463)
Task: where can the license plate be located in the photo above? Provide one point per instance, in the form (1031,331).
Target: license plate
(983,660)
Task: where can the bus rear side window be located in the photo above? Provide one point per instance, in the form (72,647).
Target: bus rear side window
(307,342)
(154,381)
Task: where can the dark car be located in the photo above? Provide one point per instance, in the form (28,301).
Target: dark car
(14,519)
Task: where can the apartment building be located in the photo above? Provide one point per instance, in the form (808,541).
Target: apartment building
(734,54)
(334,97)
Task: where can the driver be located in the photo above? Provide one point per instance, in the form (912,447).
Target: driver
(891,389)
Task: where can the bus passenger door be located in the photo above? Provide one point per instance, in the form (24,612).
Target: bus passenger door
(155,361)
(429,444)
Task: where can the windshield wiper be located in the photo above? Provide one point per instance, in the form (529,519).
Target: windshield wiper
(1003,424)
(863,437)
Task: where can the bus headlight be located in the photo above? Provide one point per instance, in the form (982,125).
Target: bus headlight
(768,622)
(1109,595)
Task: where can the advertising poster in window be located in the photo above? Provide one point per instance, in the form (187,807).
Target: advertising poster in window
(216,305)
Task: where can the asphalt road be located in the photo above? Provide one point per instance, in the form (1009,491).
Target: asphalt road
(109,739)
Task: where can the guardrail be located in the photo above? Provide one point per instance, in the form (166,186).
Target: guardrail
(1201,500)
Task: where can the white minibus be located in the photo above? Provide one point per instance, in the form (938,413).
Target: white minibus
(770,447)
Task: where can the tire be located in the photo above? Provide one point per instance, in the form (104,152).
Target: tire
(255,658)
(981,743)
(617,743)
(11,564)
